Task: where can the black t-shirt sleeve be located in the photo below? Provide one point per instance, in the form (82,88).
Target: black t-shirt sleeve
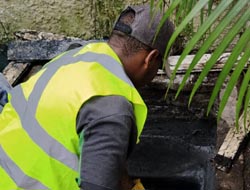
(107,125)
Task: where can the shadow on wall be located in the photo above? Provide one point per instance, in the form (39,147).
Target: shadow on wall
(3,57)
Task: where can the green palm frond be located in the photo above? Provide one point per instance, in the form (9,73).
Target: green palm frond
(247,105)
(229,37)
(189,17)
(238,49)
(219,22)
(233,79)
(240,46)
(213,36)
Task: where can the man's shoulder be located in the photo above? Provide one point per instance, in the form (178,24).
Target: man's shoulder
(104,108)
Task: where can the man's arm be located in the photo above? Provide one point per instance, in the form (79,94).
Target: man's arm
(107,129)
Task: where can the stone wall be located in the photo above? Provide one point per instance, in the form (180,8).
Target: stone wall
(86,19)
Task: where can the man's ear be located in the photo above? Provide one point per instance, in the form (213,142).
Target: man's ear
(151,58)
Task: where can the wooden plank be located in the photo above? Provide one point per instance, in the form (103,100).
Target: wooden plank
(14,71)
(207,84)
(172,60)
(233,144)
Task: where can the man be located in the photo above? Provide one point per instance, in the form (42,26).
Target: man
(74,123)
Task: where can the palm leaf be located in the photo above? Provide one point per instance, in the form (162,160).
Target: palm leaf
(210,6)
(167,14)
(228,66)
(241,95)
(229,10)
(179,12)
(198,6)
(247,105)
(220,49)
(205,26)
(234,79)
(211,38)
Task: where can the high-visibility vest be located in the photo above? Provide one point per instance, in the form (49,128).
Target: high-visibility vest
(38,138)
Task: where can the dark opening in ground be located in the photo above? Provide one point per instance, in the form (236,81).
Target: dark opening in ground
(170,184)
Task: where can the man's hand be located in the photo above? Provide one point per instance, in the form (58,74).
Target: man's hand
(138,185)
(127,182)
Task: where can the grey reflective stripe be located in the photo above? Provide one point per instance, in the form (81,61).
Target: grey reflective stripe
(21,180)
(38,134)
(30,124)
(106,61)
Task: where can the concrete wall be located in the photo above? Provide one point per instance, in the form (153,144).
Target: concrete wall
(86,19)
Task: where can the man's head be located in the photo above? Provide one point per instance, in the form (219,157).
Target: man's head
(133,40)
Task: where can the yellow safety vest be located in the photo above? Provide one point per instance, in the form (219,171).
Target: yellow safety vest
(38,139)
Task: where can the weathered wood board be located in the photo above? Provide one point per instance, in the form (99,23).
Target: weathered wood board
(233,144)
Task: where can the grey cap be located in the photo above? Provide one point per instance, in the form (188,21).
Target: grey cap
(144,28)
